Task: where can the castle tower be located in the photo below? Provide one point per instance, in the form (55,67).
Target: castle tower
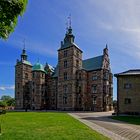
(23,77)
(69,61)
(38,87)
(107,82)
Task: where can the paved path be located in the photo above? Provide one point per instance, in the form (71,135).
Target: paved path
(113,129)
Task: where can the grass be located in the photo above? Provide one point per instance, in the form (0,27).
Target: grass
(45,126)
(128,119)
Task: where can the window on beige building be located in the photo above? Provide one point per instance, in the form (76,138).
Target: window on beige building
(127,86)
(127,101)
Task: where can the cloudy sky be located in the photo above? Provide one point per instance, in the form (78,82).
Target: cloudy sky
(94,23)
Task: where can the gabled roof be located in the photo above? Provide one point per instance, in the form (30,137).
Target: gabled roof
(129,72)
(93,63)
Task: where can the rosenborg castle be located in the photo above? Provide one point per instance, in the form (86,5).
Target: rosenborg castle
(74,84)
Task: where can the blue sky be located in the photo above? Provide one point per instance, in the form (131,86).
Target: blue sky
(94,24)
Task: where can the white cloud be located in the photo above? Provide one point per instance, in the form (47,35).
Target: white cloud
(120,20)
(34,46)
(12,87)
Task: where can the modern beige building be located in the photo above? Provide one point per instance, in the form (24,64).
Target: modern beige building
(74,84)
(128,92)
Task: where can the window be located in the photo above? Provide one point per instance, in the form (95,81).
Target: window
(127,86)
(33,75)
(94,100)
(127,101)
(77,53)
(26,68)
(65,89)
(80,100)
(18,85)
(77,63)
(26,75)
(65,100)
(80,76)
(80,89)
(94,78)
(106,76)
(65,64)
(94,88)
(65,76)
(65,53)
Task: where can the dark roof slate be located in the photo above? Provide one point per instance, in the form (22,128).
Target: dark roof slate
(93,63)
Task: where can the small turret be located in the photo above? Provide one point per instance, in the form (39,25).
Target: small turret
(105,51)
(24,55)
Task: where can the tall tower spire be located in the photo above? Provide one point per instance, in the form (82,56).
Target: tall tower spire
(69,25)
(24,55)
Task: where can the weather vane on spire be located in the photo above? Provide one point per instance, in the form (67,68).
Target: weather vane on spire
(68,25)
(24,43)
(69,21)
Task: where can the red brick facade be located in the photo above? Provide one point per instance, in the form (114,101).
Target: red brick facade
(75,84)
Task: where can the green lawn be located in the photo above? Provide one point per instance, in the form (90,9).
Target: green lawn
(45,126)
(129,119)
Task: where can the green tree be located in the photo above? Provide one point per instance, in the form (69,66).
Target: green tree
(9,101)
(9,12)
(5,98)
(3,104)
